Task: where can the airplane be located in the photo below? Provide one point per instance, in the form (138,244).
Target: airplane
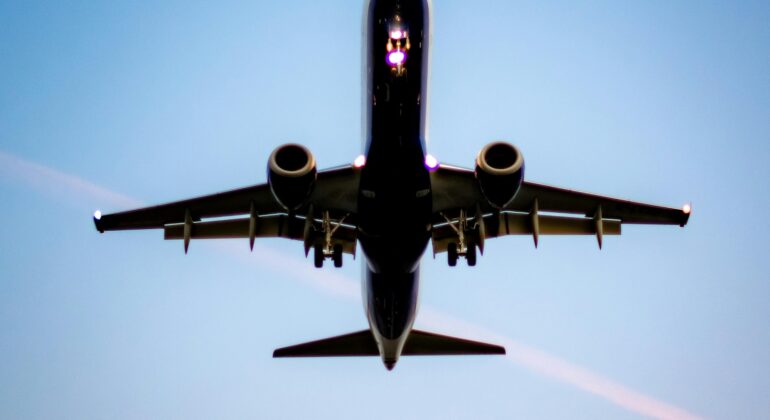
(393,200)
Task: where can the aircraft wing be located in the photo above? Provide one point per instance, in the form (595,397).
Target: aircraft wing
(553,199)
(250,212)
(457,196)
(229,203)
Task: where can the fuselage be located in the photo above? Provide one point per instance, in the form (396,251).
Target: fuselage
(394,194)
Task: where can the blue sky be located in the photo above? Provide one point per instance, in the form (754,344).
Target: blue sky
(103,105)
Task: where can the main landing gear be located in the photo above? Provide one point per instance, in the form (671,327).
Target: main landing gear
(454,253)
(326,248)
(320,253)
(465,246)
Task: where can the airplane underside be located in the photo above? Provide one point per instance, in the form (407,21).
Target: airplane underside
(393,201)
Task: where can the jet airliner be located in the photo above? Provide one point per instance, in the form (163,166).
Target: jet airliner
(393,201)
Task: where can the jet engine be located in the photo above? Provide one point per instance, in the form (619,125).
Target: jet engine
(291,173)
(499,171)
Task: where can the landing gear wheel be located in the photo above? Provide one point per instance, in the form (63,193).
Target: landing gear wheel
(337,255)
(318,256)
(451,253)
(470,254)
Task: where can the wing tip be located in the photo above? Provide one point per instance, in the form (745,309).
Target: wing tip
(686,211)
(98,221)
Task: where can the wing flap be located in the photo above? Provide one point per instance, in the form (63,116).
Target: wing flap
(276,226)
(507,223)
(520,224)
(280,226)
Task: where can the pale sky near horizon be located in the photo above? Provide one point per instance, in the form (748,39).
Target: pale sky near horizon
(110,105)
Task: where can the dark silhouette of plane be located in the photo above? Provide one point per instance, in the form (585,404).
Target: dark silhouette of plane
(393,200)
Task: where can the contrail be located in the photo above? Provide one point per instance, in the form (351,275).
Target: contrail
(54,183)
(562,370)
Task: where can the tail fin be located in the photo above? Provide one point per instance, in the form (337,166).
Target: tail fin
(361,343)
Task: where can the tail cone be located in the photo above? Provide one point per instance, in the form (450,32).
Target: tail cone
(390,364)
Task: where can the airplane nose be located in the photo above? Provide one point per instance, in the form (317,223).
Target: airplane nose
(389,364)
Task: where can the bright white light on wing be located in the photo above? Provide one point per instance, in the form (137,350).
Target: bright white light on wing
(360,161)
(687,209)
(396,58)
(98,215)
(431,162)
(396,34)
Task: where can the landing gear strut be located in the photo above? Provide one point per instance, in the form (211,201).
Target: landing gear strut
(326,248)
(465,245)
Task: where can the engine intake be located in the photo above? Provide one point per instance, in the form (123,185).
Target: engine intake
(291,174)
(499,171)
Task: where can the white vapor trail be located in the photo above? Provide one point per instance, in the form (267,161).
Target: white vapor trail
(56,183)
(53,182)
(562,370)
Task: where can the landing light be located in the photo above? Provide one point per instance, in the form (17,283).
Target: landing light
(98,215)
(686,209)
(396,34)
(360,161)
(396,58)
(431,162)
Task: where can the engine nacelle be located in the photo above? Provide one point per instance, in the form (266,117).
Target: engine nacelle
(499,171)
(291,173)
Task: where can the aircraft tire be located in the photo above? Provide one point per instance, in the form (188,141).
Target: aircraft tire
(451,253)
(318,256)
(337,255)
(470,256)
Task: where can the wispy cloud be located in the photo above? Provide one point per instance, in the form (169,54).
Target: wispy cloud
(54,183)
(560,369)
(302,271)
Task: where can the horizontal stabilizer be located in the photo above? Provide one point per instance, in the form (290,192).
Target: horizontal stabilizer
(419,343)
(355,344)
